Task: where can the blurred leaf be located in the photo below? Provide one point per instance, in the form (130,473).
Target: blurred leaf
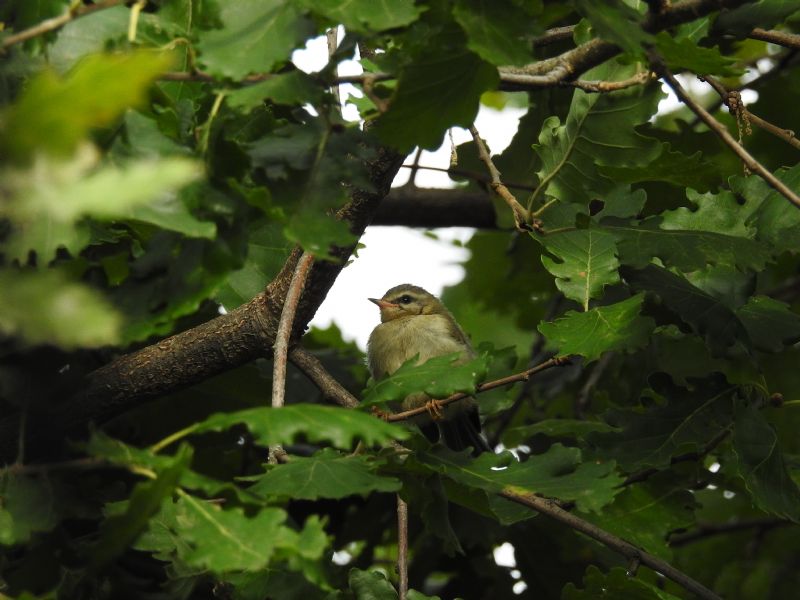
(599,131)
(121,530)
(554,428)
(365,15)
(327,474)
(617,22)
(615,327)
(587,262)
(46,307)
(92,33)
(764,14)
(256,35)
(28,505)
(616,585)
(54,114)
(762,465)
(439,89)
(438,377)
(496,32)
(272,426)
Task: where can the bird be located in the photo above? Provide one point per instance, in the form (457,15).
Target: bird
(415,322)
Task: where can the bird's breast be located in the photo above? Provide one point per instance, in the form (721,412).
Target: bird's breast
(395,342)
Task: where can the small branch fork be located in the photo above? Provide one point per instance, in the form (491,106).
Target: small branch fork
(484,387)
(751,163)
(520,214)
(733,100)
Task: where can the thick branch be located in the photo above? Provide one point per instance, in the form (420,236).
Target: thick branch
(431,207)
(214,347)
(629,551)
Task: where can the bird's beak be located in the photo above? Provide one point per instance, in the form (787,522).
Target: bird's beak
(381,303)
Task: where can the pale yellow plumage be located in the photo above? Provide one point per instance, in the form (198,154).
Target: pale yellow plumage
(414,322)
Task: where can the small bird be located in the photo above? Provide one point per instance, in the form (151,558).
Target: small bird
(415,322)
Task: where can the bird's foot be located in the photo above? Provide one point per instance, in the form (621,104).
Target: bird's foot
(381,414)
(435,409)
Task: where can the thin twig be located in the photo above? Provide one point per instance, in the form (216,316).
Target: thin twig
(332,36)
(599,87)
(520,215)
(74,12)
(705,530)
(779,38)
(484,387)
(316,372)
(751,163)
(732,99)
(414,167)
(281,347)
(554,35)
(402,547)
(478,177)
(550,508)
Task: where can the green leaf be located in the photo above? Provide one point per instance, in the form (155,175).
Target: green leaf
(777,219)
(340,426)
(45,307)
(495,31)
(762,464)
(327,474)
(439,89)
(646,513)
(284,88)
(651,435)
(256,36)
(764,13)
(554,428)
(721,213)
(366,15)
(587,262)
(92,33)
(685,54)
(638,243)
(676,168)
(599,131)
(617,22)
(28,505)
(121,530)
(54,114)
(706,315)
(438,377)
(615,327)
(616,585)
(558,473)
(370,585)
(770,324)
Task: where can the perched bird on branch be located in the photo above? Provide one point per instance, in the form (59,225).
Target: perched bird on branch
(415,322)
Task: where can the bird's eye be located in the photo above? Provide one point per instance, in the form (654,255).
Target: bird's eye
(404,299)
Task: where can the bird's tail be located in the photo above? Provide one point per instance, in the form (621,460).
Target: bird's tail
(461,432)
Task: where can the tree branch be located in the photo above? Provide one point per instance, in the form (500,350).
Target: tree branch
(483,387)
(705,530)
(717,127)
(402,547)
(214,347)
(520,214)
(629,551)
(779,38)
(74,12)
(431,207)
(733,100)
(331,389)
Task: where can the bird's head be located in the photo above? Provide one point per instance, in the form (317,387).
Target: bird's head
(407,300)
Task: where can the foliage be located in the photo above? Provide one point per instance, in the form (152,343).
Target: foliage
(160,160)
